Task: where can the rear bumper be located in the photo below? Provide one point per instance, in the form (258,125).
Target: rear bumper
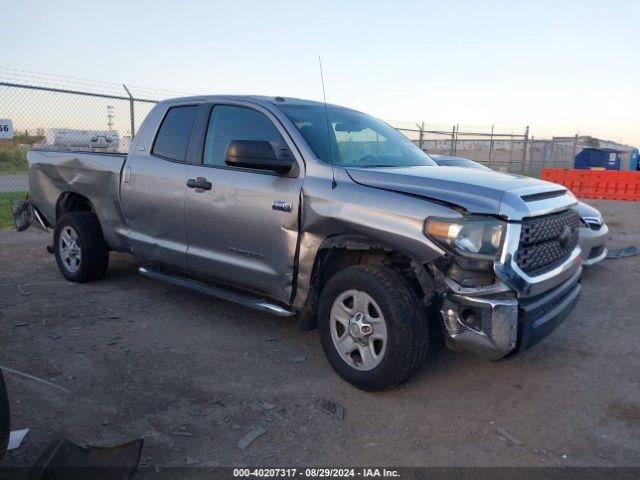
(25,214)
(501,325)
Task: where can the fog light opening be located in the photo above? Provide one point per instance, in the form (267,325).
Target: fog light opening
(471,318)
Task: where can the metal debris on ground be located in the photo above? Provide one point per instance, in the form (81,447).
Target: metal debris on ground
(35,379)
(65,459)
(623,252)
(254,433)
(332,408)
(16,437)
(507,436)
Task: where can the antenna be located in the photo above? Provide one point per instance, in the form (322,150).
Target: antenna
(326,116)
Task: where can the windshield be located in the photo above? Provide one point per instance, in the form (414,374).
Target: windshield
(355,139)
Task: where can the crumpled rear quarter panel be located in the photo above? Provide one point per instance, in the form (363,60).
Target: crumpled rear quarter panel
(93,175)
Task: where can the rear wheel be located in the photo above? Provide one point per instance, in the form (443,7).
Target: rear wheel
(372,328)
(79,247)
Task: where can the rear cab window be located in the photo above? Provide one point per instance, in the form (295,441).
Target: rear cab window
(173,136)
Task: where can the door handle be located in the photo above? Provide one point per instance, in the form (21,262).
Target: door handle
(199,184)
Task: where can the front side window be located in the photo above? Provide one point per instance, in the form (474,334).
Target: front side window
(229,123)
(173,137)
(352,139)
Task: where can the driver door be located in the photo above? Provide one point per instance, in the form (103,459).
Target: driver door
(243,229)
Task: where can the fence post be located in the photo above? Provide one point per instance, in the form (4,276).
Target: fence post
(421,128)
(491,145)
(524,148)
(131,112)
(453,135)
(455,148)
(531,153)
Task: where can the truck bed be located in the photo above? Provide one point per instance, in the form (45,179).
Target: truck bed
(94,175)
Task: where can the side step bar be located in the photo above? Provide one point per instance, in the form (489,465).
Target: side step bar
(221,293)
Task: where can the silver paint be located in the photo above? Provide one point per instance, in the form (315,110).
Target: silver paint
(144,207)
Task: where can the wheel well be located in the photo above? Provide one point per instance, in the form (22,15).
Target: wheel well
(337,254)
(72,202)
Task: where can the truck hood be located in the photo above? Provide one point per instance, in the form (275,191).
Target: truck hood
(507,195)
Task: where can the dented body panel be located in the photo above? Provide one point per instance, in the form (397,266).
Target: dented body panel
(95,176)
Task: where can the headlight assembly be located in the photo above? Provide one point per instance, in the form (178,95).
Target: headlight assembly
(473,236)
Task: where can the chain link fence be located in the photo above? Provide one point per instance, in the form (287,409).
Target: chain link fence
(503,150)
(54,112)
(59,112)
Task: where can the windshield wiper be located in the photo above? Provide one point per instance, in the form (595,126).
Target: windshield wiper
(377,165)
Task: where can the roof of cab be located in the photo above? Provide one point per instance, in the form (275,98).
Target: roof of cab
(258,99)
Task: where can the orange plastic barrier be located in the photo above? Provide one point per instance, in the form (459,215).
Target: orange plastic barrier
(608,184)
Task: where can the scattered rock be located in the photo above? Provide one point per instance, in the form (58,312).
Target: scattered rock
(507,436)
(104,423)
(254,433)
(268,406)
(192,461)
(332,408)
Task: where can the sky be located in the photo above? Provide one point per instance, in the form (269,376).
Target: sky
(561,67)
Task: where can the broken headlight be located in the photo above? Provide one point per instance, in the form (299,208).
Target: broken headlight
(476,237)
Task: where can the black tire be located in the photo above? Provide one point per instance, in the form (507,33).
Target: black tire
(94,257)
(5,417)
(405,319)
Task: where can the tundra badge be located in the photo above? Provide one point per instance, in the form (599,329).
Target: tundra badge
(281,206)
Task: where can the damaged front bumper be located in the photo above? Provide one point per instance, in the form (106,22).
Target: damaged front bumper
(502,324)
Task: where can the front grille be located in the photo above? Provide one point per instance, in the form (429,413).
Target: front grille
(546,242)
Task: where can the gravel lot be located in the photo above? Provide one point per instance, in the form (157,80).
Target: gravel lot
(192,375)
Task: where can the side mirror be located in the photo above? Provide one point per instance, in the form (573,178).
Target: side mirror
(257,154)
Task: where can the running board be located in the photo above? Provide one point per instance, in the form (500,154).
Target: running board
(242,299)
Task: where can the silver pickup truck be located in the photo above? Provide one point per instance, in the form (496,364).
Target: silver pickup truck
(327,214)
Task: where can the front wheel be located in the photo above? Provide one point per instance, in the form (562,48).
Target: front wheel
(79,247)
(372,328)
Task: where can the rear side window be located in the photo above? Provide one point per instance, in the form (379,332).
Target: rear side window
(173,137)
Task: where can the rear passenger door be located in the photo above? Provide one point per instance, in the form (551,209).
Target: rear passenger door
(153,188)
(243,227)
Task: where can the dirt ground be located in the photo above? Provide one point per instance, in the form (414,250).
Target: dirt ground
(192,375)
